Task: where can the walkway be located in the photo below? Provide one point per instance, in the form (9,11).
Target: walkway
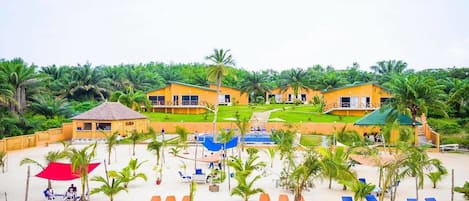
(259,119)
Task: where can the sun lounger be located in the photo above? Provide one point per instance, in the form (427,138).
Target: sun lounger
(186,198)
(264,197)
(411,199)
(430,199)
(370,197)
(170,198)
(156,198)
(184,178)
(283,197)
(347,198)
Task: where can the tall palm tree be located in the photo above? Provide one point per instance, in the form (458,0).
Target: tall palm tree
(131,99)
(6,90)
(111,142)
(88,84)
(414,95)
(243,126)
(80,159)
(51,156)
(20,77)
(297,79)
(330,80)
(135,136)
(386,69)
(255,84)
(155,146)
(221,59)
(183,134)
(49,106)
(457,96)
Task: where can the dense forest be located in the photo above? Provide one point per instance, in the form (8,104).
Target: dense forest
(40,97)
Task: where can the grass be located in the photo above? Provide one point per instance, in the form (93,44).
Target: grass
(310,140)
(288,112)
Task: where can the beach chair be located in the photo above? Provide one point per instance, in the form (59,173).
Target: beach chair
(264,197)
(363,180)
(170,198)
(184,178)
(347,198)
(370,197)
(186,198)
(411,199)
(283,197)
(155,198)
(430,199)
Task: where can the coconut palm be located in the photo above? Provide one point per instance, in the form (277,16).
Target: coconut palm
(109,188)
(243,170)
(155,146)
(80,159)
(303,173)
(19,76)
(297,79)
(3,162)
(51,156)
(390,66)
(415,96)
(126,176)
(392,175)
(131,99)
(330,80)
(221,59)
(255,84)
(111,142)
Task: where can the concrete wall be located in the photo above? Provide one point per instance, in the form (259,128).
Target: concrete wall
(241,99)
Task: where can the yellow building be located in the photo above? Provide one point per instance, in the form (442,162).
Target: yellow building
(107,118)
(287,96)
(354,100)
(181,98)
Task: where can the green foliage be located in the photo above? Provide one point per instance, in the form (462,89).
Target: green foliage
(310,140)
(80,159)
(435,177)
(156,147)
(284,140)
(444,126)
(128,174)
(360,189)
(348,137)
(243,171)
(109,188)
(463,189)
(183,133)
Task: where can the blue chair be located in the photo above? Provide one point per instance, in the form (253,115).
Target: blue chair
(411,199)
(370,197)
(184,177)
(430,199)
(198,171)
(347,198)
(363,180)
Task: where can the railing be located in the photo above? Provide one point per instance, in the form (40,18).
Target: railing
(190,102)
(349,106)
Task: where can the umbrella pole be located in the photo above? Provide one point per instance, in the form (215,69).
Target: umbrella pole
(27,184)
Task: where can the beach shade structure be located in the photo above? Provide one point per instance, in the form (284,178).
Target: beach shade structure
(430,199)
(62,171)
(347,198)
(212,146)
(378,117)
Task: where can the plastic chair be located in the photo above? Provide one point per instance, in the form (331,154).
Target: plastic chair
(347,198)
(370,197)
(283,197)
(430,199)
(184,177)
(170,198)
(186,198)
(156,198)
(264,197)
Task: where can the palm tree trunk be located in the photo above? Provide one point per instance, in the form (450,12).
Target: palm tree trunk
(330,182)
(416,187)
(215,111)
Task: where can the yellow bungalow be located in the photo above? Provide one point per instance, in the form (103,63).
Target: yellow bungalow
(182,98)
(288,96)
(230,96)
(355,100)
(107,118)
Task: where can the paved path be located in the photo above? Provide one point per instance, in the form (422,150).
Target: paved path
(259,119)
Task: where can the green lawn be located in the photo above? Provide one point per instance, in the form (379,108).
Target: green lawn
(310,140)
(288,112)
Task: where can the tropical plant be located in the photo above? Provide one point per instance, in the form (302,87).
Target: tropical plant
(80,159)
(134,165)
(125,176)
(220,59)
(360,189)
(255,84)
(297,79)
(155,146)
(224,137)
(49,107)
(109,188)
(334,163)
(111,142)
(386,69)
(183,134)
(51,156)
(243,169)
(131,99)
(284,140)
(329,80)
(435,177)
(243,126)
(303,173)
(271,152)
(175,150)
(463,189)
(3,162)
(135,137)
(87,84)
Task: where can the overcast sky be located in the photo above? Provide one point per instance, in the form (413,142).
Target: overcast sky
(261,34)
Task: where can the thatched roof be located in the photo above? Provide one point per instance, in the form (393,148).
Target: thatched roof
(110,111)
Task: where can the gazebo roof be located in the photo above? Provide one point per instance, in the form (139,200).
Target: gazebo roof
(109,111)
(378,117)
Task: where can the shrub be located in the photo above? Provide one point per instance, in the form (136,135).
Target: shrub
(444,126)
(464,190)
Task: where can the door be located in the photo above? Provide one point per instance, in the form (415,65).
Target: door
(175,100)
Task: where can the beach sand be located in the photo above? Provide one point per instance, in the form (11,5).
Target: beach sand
(13,182)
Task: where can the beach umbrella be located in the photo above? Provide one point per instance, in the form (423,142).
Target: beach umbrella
(62,171)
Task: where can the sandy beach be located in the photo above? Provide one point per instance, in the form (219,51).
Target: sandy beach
(13,182)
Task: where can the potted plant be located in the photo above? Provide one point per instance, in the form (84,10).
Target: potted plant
(216,176)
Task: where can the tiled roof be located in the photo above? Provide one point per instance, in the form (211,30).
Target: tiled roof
(350,86)
(184,84)
(109,111)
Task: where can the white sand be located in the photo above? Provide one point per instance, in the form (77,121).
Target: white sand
(14,180)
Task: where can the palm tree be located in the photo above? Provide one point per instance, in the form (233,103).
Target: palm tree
(155,146)
(6,91)
(108,188)
(243,170)
(183,133)
(126,176)
(135,136)
(297,79)
(87,84)
(3,162)
(223,138)
(19,77)
(220,60)
(255,84)
(49,107)
(134,165)
(360,189)
(388,67)
(334,163)
(415,96)
(304,172)
(111,142)
(435,177)
(80,159)
(243,126)
(330,80)
(51,156)
(131,99)
(457,96)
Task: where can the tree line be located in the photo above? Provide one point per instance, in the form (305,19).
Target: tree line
(39,97)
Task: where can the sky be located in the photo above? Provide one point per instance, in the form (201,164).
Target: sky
(261,34)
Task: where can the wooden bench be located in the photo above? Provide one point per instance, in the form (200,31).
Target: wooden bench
(449,147)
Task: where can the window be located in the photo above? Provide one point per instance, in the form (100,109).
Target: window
(156,100)
(384,100)
(87,126)
(190,100)
(103,126)
(303,97)
(129,123)
(289,98)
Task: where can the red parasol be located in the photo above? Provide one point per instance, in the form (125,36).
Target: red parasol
(62,171)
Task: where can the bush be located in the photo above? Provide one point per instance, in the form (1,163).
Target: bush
(445,126)
(455,140)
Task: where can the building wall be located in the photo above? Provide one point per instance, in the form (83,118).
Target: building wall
(242,99)
(284,95)
(123,127)
(173,89)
